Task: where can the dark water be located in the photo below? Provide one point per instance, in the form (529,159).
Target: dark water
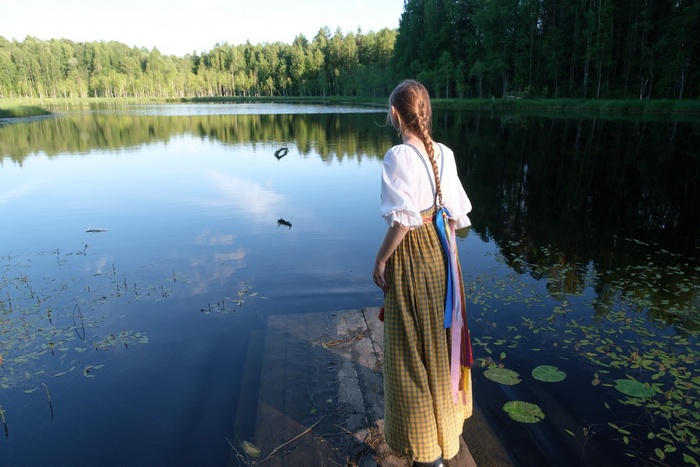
(127,346)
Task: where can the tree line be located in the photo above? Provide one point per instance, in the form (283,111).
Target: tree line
(597,49)
(330,64)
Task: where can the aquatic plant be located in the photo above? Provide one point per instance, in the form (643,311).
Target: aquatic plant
(525,412)
(634,324)
(243,296)
(53,309)
(548,374)
(503,376)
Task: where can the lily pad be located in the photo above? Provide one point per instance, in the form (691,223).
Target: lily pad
(633,388)
(548,374)
(250,449)
(503,376)
(524,412)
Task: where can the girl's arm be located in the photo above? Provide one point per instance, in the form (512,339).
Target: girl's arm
(393,237)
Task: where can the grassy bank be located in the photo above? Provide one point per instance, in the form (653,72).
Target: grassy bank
(17,111)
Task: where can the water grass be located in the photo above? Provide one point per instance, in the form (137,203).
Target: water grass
(37,324)
(19,111)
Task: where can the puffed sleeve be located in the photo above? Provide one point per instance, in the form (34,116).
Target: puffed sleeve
(454,196)
(398,205)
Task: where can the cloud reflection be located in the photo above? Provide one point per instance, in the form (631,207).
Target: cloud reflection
(208,272)
(18,192)
(205,239)
(246,196)
(215,267)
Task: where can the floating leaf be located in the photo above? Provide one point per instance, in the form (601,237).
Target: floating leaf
(524,412)
(548,374)
(633,388)
(250,449)
(503,376)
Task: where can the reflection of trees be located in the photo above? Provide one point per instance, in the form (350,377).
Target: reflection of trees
(332,136)
(560,197)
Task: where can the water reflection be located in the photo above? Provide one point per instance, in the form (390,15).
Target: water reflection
(245,197)
(584,242)
(332,135)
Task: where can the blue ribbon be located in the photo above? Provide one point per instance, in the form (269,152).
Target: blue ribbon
(441,217)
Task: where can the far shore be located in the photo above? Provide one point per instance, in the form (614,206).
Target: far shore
(16,108)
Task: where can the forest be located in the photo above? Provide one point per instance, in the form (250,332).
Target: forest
(590,49)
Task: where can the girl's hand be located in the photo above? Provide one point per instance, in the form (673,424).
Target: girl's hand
(379,275)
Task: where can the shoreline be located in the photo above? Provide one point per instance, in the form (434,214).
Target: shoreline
(26,107)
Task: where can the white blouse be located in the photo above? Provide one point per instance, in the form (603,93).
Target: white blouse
(407,189)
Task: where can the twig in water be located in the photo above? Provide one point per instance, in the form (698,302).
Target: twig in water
(123,336)
(2,414)
(240,456)
(49,397)
(293,439)
(82,325)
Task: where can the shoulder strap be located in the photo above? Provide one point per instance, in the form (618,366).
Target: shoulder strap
(429,169)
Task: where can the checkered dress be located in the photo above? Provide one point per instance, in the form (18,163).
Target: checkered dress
(421,419)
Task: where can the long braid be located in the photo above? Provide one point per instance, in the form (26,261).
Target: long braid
(412,102)
(424,136)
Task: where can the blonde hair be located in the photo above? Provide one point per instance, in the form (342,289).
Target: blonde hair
(415,115)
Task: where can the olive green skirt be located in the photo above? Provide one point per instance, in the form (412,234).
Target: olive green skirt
(422,421)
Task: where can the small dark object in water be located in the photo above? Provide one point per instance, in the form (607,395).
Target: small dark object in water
(284,222)
(91,230)
(280,153)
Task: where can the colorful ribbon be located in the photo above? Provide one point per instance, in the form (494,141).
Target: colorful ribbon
(455,309)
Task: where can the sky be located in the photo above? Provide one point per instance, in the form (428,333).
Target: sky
(179,27)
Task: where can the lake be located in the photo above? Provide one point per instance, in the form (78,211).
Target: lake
(141,252)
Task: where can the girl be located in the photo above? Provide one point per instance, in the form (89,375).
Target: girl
(426,403)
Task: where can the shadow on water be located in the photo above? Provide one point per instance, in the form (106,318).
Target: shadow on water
(306,401)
